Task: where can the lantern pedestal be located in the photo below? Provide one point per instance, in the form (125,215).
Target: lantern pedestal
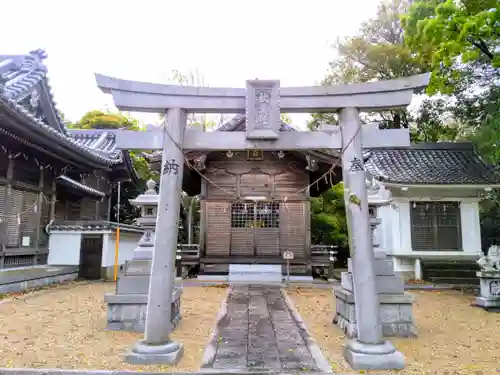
(396,306)
(489,277)
(127,307)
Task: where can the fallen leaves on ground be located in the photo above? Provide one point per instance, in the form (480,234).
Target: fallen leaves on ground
(64,328)
(454,338)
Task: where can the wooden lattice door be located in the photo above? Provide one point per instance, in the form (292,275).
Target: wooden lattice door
(255,229)
(293,231)
(267,229)
(218,227)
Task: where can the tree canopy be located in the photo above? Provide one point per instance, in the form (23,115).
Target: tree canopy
(458,42)
(98,119)
(453,36)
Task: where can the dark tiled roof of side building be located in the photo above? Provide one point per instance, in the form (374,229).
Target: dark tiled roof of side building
(432,164)
(24,86)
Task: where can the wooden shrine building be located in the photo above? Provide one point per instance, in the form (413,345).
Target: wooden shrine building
(47,172)
(255,204)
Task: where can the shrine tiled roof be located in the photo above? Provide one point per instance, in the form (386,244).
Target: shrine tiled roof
(100,141)
(431,164)
(90,226)
(238,123)
(23,81)
(65,180)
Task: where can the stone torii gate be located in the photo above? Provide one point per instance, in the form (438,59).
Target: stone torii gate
(262,101)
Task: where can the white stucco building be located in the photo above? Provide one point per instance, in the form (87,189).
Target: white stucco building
(91,246)
(428,201)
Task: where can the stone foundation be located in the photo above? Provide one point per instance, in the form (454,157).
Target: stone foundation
(396,314)
(396,309)
(489,298)
(127,307)
(127,312)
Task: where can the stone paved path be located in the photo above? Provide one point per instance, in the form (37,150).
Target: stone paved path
(258,332)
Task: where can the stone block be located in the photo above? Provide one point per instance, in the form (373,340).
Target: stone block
(383,267)
(368,361)
(488,304)
(489,297)
(406,313)
(396,314)
(138,267)
(255,273)
(384,284)
(128,312)
(389,313)
(143,253)
(490,287)
(133,284)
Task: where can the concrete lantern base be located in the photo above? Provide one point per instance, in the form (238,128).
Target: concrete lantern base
(144,354)
(127,307)
(384,356)
(489,298)
(396,306)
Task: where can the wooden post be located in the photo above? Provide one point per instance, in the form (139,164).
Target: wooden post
(117,241)
(8,203)
(53,199)
(39,203)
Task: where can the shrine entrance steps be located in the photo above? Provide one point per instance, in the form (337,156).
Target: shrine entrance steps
(258,329)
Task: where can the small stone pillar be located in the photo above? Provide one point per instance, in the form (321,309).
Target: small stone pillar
(127,307)
(489,278)
(396,309)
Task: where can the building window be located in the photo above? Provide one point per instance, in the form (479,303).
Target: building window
(252,215)
(242,214)
(268,215)
(435,226)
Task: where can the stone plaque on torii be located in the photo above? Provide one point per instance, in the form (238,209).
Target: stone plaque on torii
(262,101)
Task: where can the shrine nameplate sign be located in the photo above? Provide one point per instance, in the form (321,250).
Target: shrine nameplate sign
(262,109)
(288,255)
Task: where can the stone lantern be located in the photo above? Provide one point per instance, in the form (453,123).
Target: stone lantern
(396,310)
(127,307)
(148,203)
(489,277)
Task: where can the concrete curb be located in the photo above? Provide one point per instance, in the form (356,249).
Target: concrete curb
(428,287)
(213,341)
(322,285)
(33,292)
(313,347)
(32,283)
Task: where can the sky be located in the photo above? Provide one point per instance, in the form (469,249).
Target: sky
(225,42)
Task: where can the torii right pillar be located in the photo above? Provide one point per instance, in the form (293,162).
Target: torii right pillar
(369,350)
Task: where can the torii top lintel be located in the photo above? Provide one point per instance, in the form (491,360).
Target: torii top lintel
(154,97)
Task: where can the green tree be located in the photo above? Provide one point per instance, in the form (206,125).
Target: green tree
(435,121)
(454,38)
(376,52)
(328,219)
(98,119)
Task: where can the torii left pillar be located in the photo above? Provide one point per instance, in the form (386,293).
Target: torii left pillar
(157,347)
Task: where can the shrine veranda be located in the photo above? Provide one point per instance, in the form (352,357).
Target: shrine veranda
(262,101)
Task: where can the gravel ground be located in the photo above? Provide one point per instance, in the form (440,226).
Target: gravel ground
(454,338)
(63,327)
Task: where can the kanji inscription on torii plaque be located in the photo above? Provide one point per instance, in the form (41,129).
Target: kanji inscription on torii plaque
(262,109)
